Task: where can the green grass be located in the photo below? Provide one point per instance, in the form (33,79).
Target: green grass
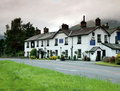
(21,77)
(108,64)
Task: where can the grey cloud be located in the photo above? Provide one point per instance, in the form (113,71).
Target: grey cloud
(53,13)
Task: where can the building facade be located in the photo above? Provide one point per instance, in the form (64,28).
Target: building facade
(93,42)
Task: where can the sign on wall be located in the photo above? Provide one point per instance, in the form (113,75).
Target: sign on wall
(60,40)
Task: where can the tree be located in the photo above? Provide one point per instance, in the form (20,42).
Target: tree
(14,37)
(2,44)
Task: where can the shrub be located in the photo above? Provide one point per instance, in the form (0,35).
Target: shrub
(58,57)
(117,60)
(32,57)
(53,57)
(87,58)
(33,53)
(62,58)
(112,59)
(106,59)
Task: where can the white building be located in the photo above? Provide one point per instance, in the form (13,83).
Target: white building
(94,42)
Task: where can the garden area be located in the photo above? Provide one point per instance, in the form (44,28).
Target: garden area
(21,77)
(111,61)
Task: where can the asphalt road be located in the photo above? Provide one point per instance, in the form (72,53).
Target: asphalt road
(88,69)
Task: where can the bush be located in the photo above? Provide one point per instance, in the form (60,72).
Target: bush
(112,59)
(53,57)
(87,58)
(62,58)
(117,60)
(106,59)
(32,57)
(33,53)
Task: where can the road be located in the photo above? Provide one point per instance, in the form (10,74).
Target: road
(88,69)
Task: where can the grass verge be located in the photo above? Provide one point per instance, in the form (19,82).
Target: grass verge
(21,77)
(107,64)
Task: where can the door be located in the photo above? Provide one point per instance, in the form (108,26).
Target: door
(98,58)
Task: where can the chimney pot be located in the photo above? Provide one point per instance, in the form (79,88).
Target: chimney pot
(46,30)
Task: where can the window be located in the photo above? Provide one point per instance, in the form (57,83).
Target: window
(56,52)
(79,40)
(66,41)
(56,42)
(27,44)
(105,39)
(32,44)
(79,53)
(42,43)
(47,42)
(116,40)
(37,43)
(99,38)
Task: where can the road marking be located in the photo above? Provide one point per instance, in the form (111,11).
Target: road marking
(65,69)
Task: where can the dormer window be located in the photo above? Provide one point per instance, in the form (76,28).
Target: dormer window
(105,39)
(32,44)
(79,40)
(66,41)
(47,42)
(42,43)
(99,38)
(56,42)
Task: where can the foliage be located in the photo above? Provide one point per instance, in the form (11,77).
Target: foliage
(112,59)
(22,77)
(109,59)
(2,45)
(14,37)
(87,58)
(62,58)
(58,57)
(33,53)
(117,60)
(33,57)
(108,64)
(53,57)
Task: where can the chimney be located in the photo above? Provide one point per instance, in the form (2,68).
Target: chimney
(98,22)
(46,30)
(38,31)
(83,23)
(65,27)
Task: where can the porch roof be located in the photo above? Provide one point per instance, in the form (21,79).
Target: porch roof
(94,49)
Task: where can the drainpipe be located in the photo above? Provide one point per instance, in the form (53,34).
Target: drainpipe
(72,49)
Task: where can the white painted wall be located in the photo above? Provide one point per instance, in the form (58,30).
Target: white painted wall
(84,46)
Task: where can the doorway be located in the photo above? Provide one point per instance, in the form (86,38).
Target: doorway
(98,58)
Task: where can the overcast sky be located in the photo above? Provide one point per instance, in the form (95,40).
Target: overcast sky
(52,13)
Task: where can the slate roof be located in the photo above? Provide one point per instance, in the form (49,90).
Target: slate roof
(94,49)
(47,36)
(76,31)
(34,37)
(112,46)
(111,30)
